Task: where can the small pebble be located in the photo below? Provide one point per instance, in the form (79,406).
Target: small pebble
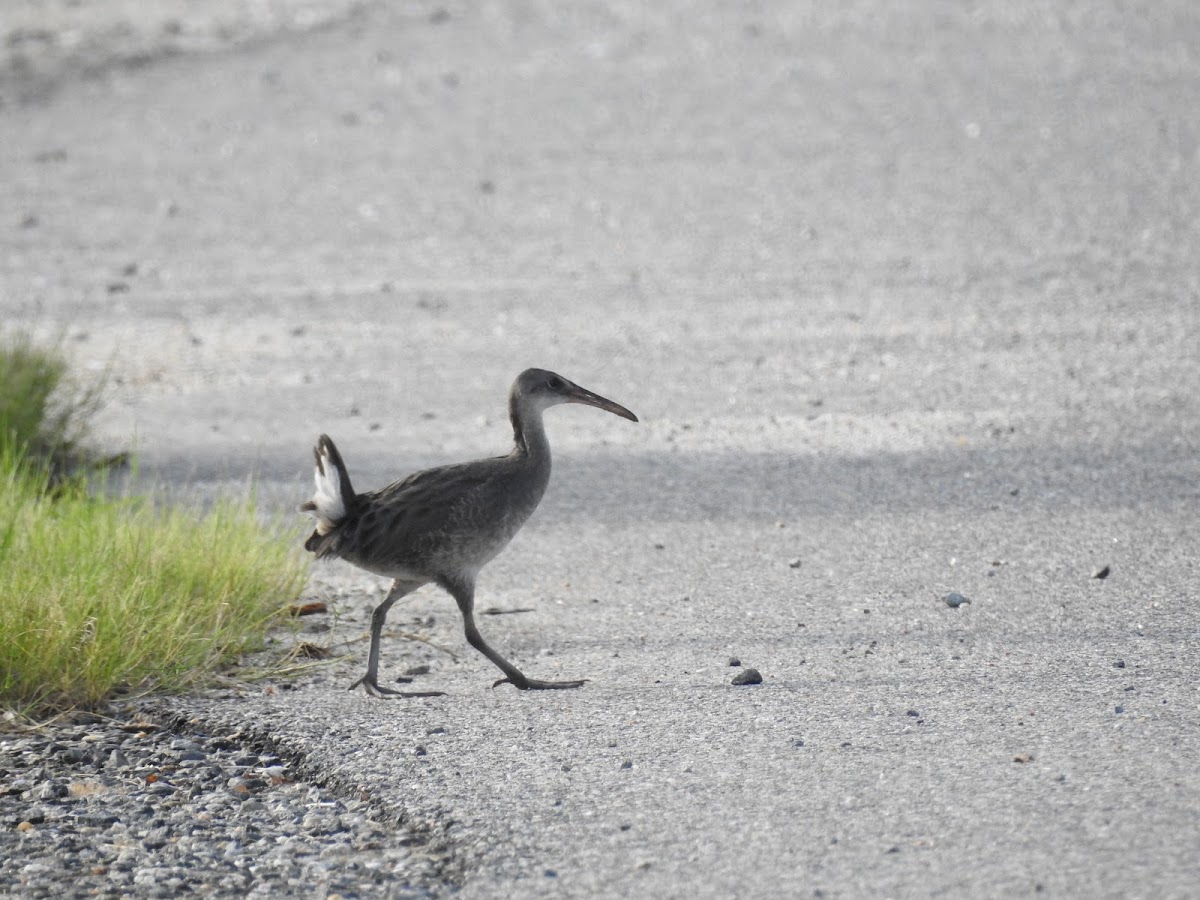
(747,676)
(96,819)
(1103,572)
(734,661)
(795,563)
(954,600)
(51,791)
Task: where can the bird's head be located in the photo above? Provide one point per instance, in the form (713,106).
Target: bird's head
(541,389)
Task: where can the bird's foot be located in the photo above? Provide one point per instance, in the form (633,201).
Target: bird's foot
(375,689)
(533,684)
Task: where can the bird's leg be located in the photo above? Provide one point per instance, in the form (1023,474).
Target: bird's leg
(464,596)
(369,681)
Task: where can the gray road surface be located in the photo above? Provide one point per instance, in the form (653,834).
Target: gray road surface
(907,295)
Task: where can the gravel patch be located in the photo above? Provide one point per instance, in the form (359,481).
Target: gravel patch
(109,809)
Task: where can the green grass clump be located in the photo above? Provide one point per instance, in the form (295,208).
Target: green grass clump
(104,594)
(44,415)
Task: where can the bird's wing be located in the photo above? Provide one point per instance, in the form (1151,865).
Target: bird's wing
(416,512)
(442,486)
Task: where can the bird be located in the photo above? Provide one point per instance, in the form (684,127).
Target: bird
(443,525)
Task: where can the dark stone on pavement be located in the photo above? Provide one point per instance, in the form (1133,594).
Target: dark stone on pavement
(747,676)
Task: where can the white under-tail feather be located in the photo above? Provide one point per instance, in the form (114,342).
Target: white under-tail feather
(328,506)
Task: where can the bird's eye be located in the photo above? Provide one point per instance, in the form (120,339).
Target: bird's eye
(555,383)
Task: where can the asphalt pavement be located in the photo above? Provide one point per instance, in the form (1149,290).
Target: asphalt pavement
(907,301)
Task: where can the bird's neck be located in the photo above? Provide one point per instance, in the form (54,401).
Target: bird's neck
(529,434)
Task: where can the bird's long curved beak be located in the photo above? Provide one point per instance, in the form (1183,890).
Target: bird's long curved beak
(577,394)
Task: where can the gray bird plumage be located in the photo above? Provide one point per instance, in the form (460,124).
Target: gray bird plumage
(443,525)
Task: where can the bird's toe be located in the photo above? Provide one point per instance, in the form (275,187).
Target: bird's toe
(533,684)
(375,689)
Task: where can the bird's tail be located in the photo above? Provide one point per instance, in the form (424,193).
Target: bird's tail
(334,496)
